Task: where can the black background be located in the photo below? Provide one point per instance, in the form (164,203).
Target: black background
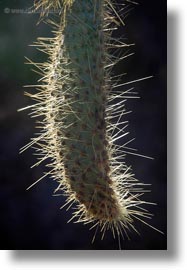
(32,219)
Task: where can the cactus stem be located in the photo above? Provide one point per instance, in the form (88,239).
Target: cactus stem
(83,116)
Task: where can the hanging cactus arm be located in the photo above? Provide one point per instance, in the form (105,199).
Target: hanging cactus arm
(82,116)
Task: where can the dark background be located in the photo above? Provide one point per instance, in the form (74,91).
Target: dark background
(32,219)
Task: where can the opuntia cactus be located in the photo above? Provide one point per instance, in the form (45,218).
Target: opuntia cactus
(77,102)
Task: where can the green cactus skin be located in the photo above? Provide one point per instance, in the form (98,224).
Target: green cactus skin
(77,103)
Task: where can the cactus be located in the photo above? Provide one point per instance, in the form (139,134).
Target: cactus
(78,101)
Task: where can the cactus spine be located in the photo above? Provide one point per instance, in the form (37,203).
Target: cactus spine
(77,103)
